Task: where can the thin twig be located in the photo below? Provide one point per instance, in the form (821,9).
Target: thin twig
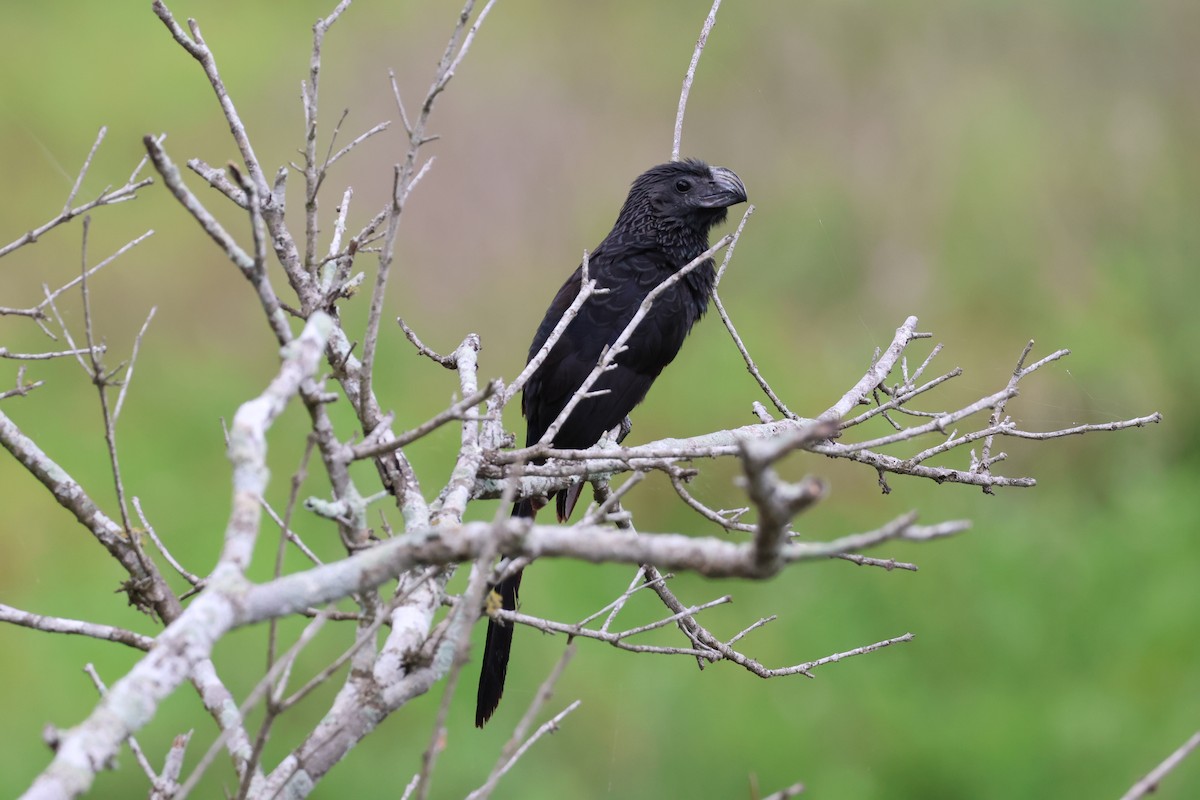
(586,289)
(107,197)
(191,578)
(877,373)
(445,361)
(616,639)
(75,627)
(198,48)
(690,76)
(456,411)
(137,346)
(51,296)
(138,755)
(100,348)
(513,748)
(406,177)
(550,726)
(751,366)
(87,162)
(168,780)
(898,401)
(102,381)
(888,564)
(1149,784)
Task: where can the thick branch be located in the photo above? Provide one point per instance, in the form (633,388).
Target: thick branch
(188,641)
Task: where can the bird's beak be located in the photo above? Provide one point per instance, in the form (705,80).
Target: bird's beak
(724,189)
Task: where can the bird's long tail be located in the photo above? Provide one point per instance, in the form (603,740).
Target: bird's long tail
(499,639)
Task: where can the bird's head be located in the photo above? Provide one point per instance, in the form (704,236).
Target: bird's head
(680,196)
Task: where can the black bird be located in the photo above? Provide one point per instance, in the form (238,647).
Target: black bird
(663,226)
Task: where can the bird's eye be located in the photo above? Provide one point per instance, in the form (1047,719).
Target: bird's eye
(683,185)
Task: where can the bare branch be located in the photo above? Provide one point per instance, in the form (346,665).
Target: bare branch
(1117,425)
(515,748)
(356,141)
(198,49)
(888,564)
(726,519)
(138,755)
(174,181)
(76,627)
(1149,784)
(457,643)
(878,372)
(777,501)
(937,425)
(406,177)
(619,639)
(22,388)
(508,754)
(456,411)
(99,348)
(37,311)
(218,180)
(194,580)
(807,667)
(146,588)
(87,163)
(900,398)
(314,174)
(167,785)
(587,288)
(109,196)
(247,439)
(187,642)
(256,694)
(751,366)
(137,346)
(102,381)
(445,361)
(709,21)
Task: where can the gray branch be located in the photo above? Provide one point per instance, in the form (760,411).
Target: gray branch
(188,641)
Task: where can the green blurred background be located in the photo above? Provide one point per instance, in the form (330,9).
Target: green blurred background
(1005,171)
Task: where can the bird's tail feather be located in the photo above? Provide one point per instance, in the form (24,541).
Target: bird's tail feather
(498,644)
(564,502)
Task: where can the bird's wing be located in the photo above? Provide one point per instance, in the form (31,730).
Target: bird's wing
(629,273)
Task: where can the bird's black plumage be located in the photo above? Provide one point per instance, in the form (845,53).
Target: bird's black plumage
(662,226)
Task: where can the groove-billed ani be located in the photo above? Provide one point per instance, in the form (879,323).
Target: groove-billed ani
(663,225)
